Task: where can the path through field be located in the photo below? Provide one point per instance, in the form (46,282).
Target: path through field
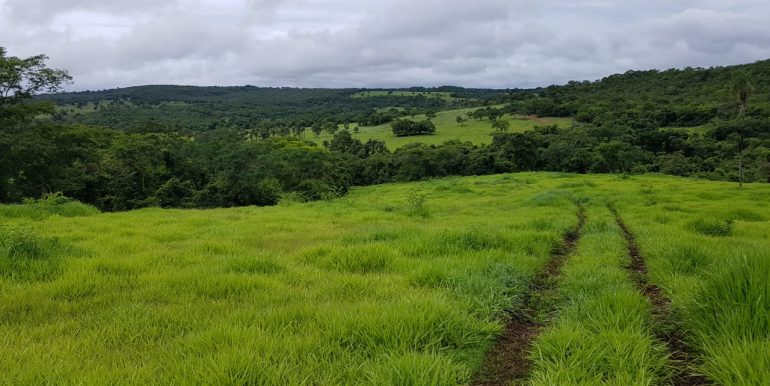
(681,357)
(508,360)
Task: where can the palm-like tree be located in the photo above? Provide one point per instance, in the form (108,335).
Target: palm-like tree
(742,88)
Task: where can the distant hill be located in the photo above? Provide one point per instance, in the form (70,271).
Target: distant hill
(638,99)
(247,107)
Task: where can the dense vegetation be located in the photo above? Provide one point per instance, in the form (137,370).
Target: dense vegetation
(175,146)
(406,127)
(264,111)
(391,285)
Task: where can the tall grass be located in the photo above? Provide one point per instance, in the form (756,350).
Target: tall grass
(359,290)
(710,256)
(340,292)
(601,333)
(52,204)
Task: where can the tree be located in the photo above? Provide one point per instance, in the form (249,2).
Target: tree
(501,126)
(742,88)
(477,114)
(330,127)
(406,127)
(317,128)
(20,80)
(460,120)
(493,114)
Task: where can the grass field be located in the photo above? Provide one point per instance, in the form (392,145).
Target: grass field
(447,128)
(428,94)
(393,284)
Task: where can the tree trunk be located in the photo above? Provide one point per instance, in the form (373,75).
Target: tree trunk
(740,170)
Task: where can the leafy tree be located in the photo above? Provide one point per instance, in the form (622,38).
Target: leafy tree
(317,128)
(493,113)
(330,127)
(501,126)
(406,127)
(460,120)
(20,80)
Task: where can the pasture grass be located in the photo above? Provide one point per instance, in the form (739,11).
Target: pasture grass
(447,129)
(601,333)
(707,246)
(392,284)
(354,291)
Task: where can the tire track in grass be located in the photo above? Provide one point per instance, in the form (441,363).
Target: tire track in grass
(508,360)
(681,354)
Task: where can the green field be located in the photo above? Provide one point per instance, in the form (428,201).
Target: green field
(447,128)
(394,284)
(428,94)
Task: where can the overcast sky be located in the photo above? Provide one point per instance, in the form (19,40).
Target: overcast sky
(379,43)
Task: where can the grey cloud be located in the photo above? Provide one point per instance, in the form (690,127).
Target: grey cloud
(42,11)
(333,43)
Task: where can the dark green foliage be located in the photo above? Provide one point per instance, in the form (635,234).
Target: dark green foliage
(263,110)
(406,127)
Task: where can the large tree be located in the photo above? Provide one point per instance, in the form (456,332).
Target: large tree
(20,80)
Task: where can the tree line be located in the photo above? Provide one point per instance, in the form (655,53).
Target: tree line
(225,166)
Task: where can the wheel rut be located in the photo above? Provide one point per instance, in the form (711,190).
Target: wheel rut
(508,362)
(681,353)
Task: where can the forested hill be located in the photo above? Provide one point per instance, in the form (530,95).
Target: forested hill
(675,97)
(166,107)
(177,146)
(636,99)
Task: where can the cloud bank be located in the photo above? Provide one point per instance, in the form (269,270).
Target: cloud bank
(349,43)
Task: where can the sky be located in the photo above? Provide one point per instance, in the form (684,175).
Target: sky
(379,43)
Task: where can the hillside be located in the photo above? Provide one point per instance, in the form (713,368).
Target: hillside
(189,147)
(654,98)
(188,108)
(394,284)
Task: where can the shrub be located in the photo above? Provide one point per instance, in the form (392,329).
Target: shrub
(405,127)
(415,203)
(48,205)
(712,226)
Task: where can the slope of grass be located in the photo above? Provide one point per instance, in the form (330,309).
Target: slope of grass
(375,288)
(447,128)
(385,287)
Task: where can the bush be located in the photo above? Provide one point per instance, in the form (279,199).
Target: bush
(405,127)
(415,203)
(48,205)
(712,226)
